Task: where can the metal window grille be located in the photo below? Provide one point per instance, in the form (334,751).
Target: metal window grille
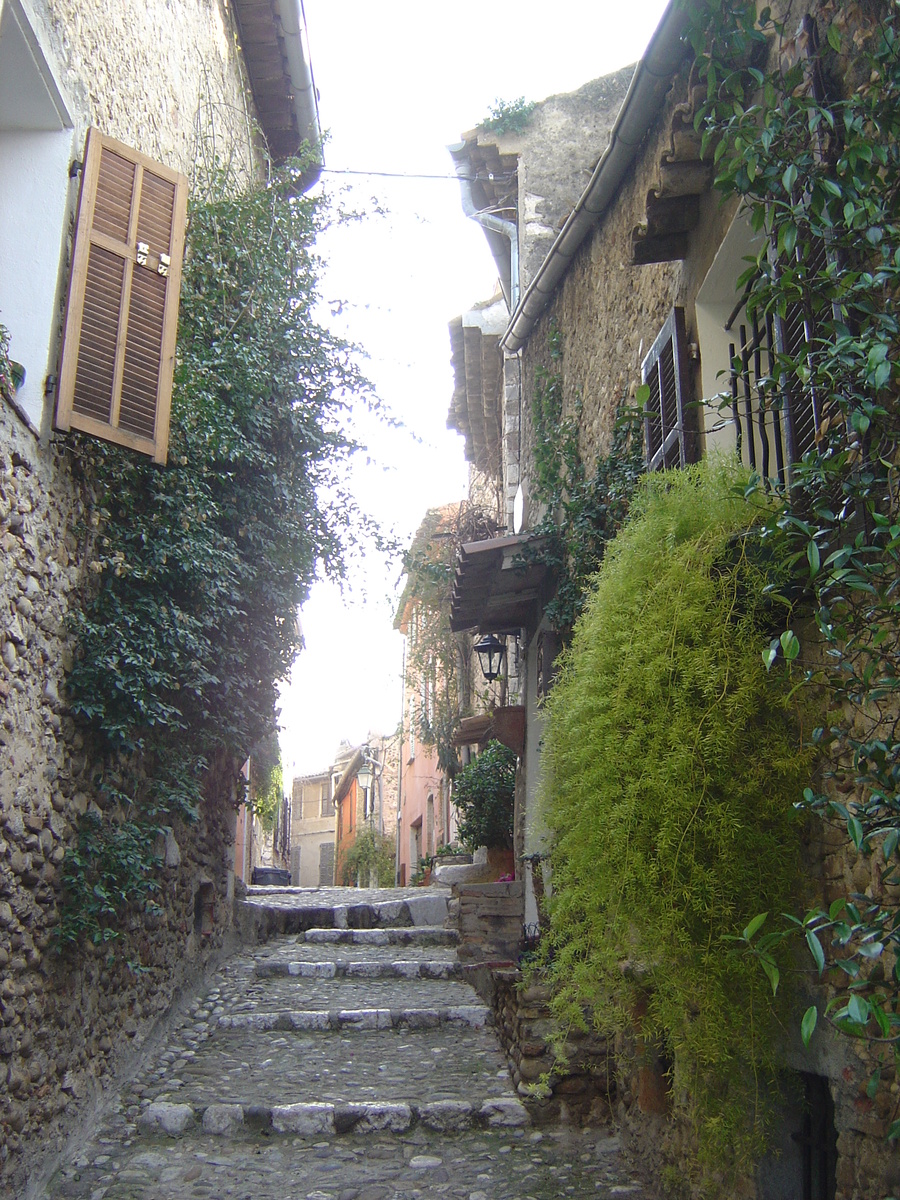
(669,425)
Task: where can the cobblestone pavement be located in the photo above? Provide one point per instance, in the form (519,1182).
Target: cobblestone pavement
(337,1063)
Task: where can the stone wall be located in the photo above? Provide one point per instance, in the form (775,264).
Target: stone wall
(569,1080)
(608,313)
(164,76)
(490,917)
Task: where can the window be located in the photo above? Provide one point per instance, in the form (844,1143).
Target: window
(35,151)
(326,864)
(669,423)
(326,804)
(771,421)
(118,351)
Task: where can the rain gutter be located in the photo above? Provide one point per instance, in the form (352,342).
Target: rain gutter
(496,228)
(652,80)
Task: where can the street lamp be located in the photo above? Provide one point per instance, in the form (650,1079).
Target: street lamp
(368,774)
(491,653)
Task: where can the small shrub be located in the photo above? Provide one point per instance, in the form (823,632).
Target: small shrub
(509,116)
(370,857)
(484,793)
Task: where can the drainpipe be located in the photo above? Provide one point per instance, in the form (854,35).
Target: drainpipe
(652,80)
(497,229)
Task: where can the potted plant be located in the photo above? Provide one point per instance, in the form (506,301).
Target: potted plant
(484,794)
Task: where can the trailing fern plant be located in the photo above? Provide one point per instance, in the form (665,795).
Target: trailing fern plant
(671,762)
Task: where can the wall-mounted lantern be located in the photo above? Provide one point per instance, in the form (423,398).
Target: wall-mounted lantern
(491,653)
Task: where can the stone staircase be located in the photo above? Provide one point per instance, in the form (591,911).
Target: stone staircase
(343,1058)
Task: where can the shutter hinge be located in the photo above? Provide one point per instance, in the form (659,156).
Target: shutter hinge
(50,385)
(75,168)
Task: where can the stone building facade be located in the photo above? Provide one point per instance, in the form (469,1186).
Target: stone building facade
(167,78)
(649,248)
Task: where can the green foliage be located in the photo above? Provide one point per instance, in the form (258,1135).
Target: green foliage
(484,794)
(439,662)
(509,116)
(199,567)
(370,857)
(671,759)
(108,869)
(266,790)
(581,513)
(818,171)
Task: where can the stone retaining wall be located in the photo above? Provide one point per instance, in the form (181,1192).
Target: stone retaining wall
(163,76)
(570,1080)
(489,917)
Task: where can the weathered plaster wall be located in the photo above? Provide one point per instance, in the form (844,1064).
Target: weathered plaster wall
(161,75)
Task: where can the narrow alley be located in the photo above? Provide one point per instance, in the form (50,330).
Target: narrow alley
(344,1057)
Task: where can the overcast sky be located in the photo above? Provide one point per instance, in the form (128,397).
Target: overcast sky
(398,81)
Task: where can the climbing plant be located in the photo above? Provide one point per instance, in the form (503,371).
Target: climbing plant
(804,127)
(439,661)
(371,857)
(671,760)
(581,512)
(197,569)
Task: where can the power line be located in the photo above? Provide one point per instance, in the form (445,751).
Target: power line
(489,178)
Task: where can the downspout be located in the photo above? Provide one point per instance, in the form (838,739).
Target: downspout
(499,227)
(649,85)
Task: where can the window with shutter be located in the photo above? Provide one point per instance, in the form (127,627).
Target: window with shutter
(118,352)
(669,427)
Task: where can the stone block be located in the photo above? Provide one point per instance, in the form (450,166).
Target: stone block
(428,910)
(504,1112)
(446,1116)
(222,1119)
(366,1018)
(476,1016)
(307,1120)
(306,1021)
(170,1119)
(382,1118)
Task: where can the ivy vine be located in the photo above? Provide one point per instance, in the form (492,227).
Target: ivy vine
(581,512)
(197,569)
(809,139)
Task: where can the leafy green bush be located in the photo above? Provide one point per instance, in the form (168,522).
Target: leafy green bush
(509,116)
(484,793)
(671,763)
(198,568)
(371,855)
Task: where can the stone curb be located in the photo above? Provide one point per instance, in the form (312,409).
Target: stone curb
(475,1016)
(329,1120)
(402,936)
(413,969)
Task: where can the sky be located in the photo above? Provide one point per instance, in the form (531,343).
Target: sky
(398,81)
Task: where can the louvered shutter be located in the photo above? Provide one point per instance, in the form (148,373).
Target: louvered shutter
(670,437)
(118,352)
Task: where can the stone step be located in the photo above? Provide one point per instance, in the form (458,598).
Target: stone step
(475,1016)
(493,1163)
(281,1064)
(323,987)
(321,1119)
(427,968)
(272,911)
(419,935)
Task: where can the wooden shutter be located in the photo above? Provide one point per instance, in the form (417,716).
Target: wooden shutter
(118,352)
(669,426)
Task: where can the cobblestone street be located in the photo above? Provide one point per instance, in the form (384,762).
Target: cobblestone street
(344,1059)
